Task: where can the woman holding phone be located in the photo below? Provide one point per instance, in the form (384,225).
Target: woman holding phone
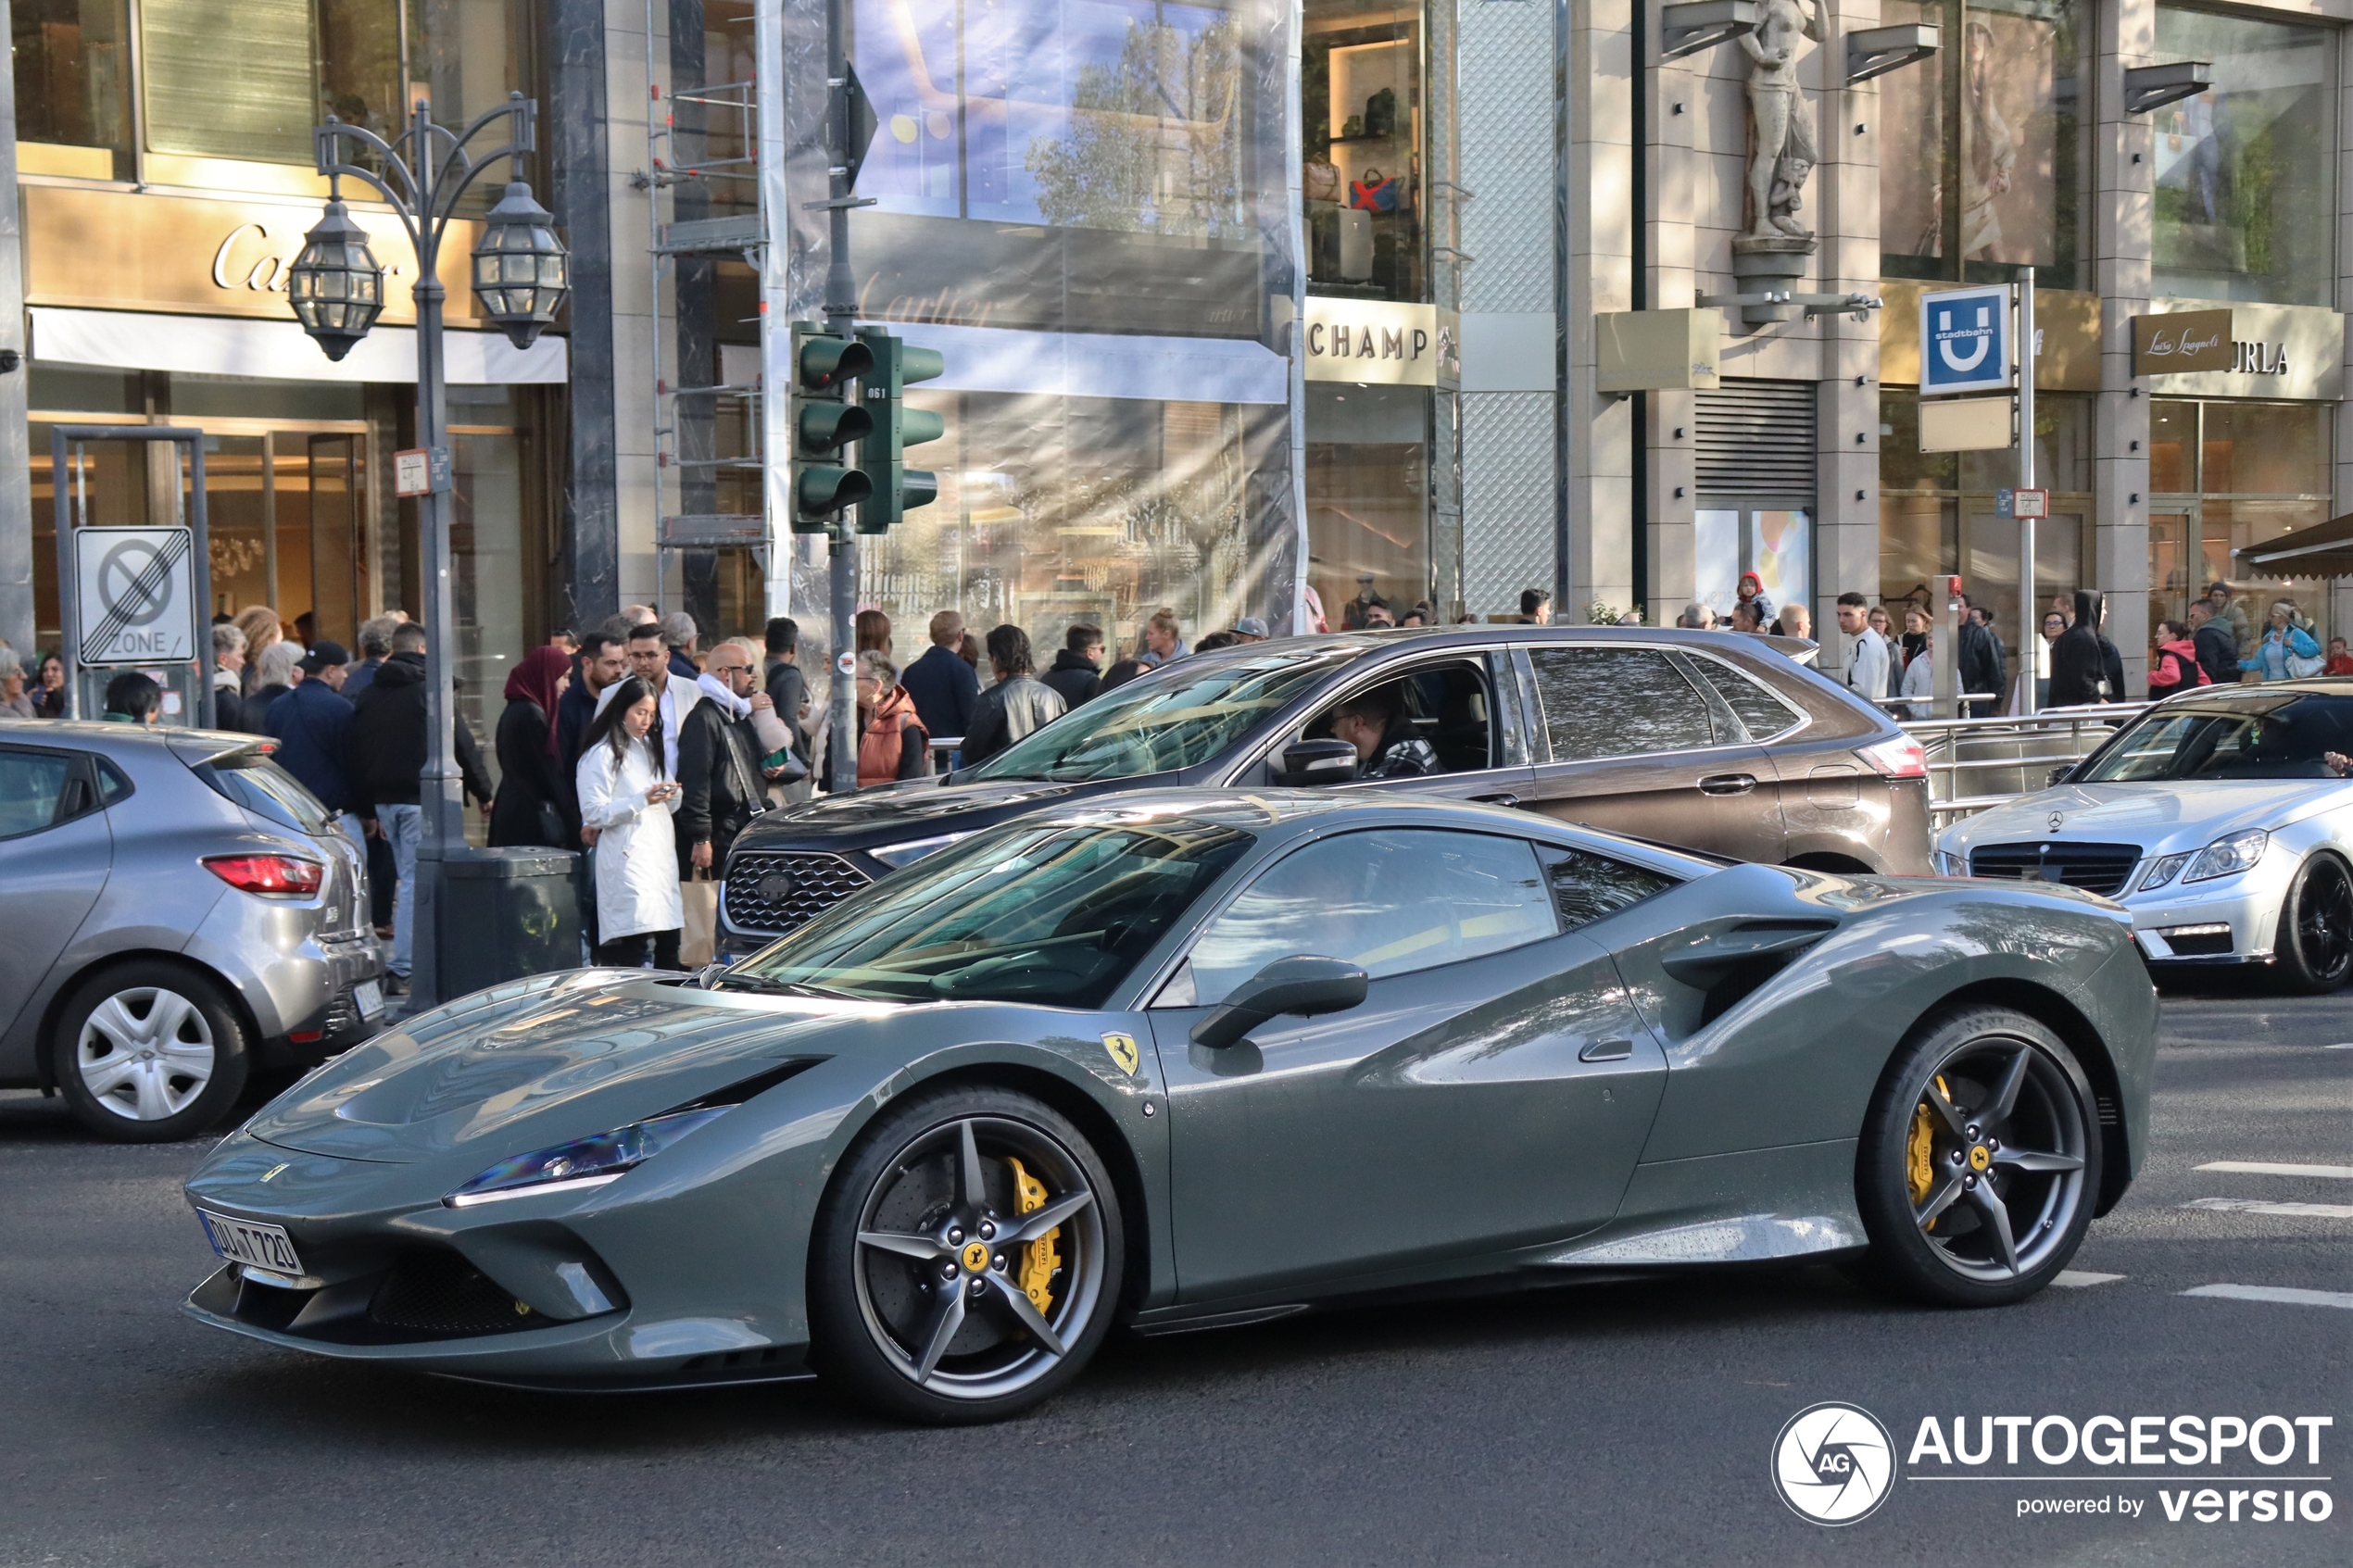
(626,790)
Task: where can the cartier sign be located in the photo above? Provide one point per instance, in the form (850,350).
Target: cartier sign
(2175,345)
(120,250)
(1373,342)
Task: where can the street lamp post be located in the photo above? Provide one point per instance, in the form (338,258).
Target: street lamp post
(336,286)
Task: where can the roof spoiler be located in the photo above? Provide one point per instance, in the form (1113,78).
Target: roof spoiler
(1798,648)
(199,746)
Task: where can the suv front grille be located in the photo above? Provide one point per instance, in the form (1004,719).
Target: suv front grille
(775,890)
(2096,868)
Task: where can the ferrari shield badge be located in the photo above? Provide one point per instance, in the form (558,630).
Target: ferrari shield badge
(1123,1050)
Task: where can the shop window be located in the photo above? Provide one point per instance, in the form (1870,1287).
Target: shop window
(73,88)
(2226,476)
(1368,498)
(1776,543)
(2243,169)
(1986,160)
(1361,113)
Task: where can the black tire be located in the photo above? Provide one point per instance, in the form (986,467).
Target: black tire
(2315,941)
(128,1083)
(882,1326)
(1937,1112)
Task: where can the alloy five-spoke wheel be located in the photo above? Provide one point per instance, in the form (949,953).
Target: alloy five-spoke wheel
(1979,1162)
(967,1257)
(146,1051)
(2315,943)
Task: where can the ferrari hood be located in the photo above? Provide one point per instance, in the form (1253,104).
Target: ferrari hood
(597,1049)
(2160,818)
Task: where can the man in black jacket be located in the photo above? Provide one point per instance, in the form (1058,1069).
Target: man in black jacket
(1981,661)
(786,686)
(2217,648)
(2086,666)
(387,749)
(1077,671)
(942,685)
(719,778)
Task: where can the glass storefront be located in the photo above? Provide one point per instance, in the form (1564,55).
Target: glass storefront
(2246,172)
(2224,476)
(1939,514)
(2012,187)
(1776,543)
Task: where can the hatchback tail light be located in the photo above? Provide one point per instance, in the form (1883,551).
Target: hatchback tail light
(281,874)
(1899,757)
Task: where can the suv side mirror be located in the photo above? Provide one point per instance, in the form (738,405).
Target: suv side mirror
(1317,762)
(1306,986)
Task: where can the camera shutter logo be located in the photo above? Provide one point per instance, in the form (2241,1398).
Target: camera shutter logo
(1834,1463)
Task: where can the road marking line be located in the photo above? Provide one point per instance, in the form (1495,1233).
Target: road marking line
(2078,1279)
(2348,1046)
(2280,1293)
(2257,1206)
(2262,1167)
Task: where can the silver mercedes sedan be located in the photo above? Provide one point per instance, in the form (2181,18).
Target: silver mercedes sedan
(176,908)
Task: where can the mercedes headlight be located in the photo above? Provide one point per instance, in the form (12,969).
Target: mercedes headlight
(2163,870)
(898,856)
(584,1162)
(2224,856)
(1949,863)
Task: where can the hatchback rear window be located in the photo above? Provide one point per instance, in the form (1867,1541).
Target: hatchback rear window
(254,781)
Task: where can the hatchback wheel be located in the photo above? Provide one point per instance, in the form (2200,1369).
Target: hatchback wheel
(1979,1161)
(966,1259)
(2315,943)
(149,1052)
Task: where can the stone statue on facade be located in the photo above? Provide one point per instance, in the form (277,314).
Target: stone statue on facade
(1785,151)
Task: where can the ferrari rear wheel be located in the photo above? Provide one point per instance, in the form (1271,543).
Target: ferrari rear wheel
(966,1259)
(2315,943)
(1979,1161)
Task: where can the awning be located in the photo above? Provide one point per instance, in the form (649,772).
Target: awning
(2325,549)
(228,345)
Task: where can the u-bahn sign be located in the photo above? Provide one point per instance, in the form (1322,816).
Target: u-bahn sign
(135,602)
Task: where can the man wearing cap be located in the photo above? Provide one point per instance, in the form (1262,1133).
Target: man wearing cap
(312,722)
(2232,614)
(1250,629)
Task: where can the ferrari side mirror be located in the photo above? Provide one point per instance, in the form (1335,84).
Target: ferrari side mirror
(1309,762)
(1306,986)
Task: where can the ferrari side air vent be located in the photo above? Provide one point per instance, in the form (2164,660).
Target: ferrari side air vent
(749,1088)
(1730,964)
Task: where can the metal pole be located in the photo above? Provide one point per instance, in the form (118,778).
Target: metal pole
(442,823)
(841,318)
(2029,624)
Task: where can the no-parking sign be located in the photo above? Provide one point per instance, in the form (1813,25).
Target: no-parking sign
(136,601)
(1965,339)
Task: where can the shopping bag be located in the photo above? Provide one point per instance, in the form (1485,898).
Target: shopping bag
(699,943)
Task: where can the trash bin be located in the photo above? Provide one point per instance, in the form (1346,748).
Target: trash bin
(508,913)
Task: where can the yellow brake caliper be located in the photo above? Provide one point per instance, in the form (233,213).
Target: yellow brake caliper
(1920,1171)
(1039,1260)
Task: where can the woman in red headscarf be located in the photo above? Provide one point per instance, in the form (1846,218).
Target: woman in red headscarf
(532,806)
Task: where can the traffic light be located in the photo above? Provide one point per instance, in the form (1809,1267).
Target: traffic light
(894,488)
(825,423)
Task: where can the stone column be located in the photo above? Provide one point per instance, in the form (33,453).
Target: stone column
(1846,524)
(2123,171)
(1601,234)
(16,475)
(580,196)
(1674,101)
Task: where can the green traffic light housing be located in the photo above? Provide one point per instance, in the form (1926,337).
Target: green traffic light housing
(825,423)
(897,489)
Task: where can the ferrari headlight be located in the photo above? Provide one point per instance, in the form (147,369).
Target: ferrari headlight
(2224,856)
(2163,870)
(898,856)
(584,1162)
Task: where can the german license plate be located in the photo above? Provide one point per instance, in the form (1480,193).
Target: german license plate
(369,996)
(248,1241)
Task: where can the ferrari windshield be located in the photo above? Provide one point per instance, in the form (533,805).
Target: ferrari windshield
(1054,913)
(2260,735)
(1164,721)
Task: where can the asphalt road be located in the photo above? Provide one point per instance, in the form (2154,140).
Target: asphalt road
(1627,1423)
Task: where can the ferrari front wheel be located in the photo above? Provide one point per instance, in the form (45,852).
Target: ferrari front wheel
(966,1259)
(1979,1162)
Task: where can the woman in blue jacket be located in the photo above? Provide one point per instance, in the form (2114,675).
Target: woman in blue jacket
(2287,651)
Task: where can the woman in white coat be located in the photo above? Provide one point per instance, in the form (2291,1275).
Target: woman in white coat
(626,790)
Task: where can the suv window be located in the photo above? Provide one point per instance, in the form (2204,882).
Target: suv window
(1764,714)
(1395,900)
(1601,702)
(33,791)
(1449,707)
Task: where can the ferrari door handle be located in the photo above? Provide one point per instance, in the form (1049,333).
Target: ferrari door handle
(1607,1050)
(1728,784)
(1499,798)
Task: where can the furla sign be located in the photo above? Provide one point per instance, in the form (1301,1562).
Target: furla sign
(2242,351)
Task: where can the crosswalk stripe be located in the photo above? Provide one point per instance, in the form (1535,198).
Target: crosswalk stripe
(2262,1167)
(2261,1206)
(2285,1295)
(2079,1279)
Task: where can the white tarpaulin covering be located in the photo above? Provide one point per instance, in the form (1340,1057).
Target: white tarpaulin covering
(228,346)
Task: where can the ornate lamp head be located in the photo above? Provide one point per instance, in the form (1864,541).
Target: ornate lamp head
(336,284)
(522,270)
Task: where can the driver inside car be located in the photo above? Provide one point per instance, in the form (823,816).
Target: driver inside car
(1376,723)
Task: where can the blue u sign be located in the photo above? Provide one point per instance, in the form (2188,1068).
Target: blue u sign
(1965,339)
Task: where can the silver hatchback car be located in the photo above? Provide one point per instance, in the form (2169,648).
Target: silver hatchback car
(174,909)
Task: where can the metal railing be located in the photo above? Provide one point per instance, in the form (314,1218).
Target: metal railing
(1974,764)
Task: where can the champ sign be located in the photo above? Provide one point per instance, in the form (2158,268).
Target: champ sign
(1965,339)
(135,598)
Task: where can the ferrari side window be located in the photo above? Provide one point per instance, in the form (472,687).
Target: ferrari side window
(1393,900)
(1586,886)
